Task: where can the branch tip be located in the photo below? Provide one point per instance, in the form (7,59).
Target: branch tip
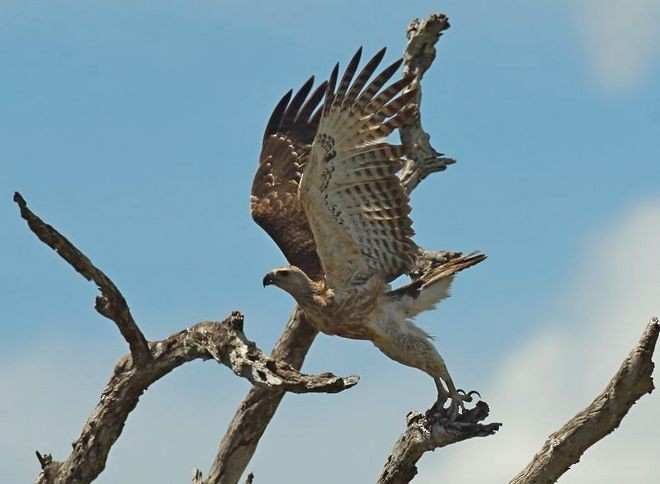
(44,460)
(197,477)
(236,320)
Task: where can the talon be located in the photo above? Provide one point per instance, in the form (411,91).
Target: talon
(467,397)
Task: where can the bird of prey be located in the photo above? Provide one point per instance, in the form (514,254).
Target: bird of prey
(327,192)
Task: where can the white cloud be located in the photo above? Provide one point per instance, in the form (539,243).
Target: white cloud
(622,38)
(562,368)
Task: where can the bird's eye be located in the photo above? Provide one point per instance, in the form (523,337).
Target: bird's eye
(285,274)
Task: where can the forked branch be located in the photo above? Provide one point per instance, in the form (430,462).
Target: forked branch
(223,342)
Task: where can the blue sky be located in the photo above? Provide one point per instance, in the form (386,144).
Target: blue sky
(134,128)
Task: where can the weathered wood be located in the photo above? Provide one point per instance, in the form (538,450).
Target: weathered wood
(425,433)
(259,406)
(223,342)
(418,57)
(111,302)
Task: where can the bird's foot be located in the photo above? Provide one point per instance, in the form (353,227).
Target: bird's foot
(457,400)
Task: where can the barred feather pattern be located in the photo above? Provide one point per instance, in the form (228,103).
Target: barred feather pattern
(356,206)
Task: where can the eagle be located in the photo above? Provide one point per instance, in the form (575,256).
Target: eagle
(327,192)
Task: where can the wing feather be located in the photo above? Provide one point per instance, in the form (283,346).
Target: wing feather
(354,202)
(275,205)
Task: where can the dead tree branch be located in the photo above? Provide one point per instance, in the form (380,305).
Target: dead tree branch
(111,302)
(425,433)
(223,342)
(565,447)
(418,57)
(259,406)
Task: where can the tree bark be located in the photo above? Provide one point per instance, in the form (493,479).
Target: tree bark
(259,406)
(417,59)
(110,303)
(425,433)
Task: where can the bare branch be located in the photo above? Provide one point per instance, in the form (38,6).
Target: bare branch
(425,433)
(111,302)
(565,447)
(418,57)
(220,341)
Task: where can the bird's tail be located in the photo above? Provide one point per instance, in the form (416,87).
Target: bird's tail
(430,288)
(456,264)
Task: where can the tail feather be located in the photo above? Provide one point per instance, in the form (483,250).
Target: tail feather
(452,267)
(432,287)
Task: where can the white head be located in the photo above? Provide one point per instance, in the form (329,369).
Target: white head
(292,279)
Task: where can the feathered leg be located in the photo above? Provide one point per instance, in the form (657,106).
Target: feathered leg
(406,343)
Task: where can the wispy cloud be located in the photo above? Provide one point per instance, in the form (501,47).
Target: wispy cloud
(622,39)
(585,336)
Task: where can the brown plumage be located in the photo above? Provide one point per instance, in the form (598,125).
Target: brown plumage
(275,205)
(328,193)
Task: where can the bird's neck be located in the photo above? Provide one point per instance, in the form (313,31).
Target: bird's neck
(313,295)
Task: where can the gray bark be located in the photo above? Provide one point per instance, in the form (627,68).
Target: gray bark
(425,433)
(259,406)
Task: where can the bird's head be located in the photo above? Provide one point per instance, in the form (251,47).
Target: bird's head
(290,278)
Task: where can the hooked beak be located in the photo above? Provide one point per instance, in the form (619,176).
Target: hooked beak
(268,279)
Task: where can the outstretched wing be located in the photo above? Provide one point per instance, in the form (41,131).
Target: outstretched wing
(354,202)
(274,202)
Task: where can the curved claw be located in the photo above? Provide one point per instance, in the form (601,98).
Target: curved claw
(474,392)
(468,395)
